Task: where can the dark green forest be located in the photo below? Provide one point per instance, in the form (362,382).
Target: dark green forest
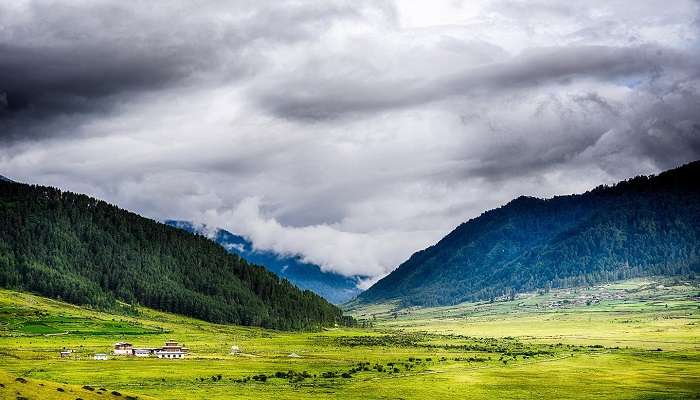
(640,227)
(82,250)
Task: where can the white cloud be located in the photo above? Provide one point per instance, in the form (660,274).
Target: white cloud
(325,245)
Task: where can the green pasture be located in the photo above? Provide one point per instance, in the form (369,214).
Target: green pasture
(636,339)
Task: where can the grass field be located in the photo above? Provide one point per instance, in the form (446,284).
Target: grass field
(637,339)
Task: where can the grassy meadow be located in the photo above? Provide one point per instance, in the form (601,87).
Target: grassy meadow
(637,339)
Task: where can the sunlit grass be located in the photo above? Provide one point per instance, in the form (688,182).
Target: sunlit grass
(524,348)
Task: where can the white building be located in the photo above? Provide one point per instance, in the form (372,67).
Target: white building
(65,353)
(100,356)
(171,350)
(169,354)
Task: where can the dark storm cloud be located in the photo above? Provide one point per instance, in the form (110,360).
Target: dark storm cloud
(313,99)
(67,61)
(42,82)
(658,126)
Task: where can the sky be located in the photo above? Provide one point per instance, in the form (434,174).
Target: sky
(352,133)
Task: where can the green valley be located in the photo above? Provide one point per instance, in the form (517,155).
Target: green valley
(633,339)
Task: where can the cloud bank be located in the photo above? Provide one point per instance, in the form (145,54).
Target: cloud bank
(351,133)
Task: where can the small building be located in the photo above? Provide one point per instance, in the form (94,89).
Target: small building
(100,356)
(294,355)
(171,350)
(123,349)
(66,353)
(143,352)
(235,349)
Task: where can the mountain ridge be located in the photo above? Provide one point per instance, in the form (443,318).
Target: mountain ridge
(636,227)
(88,252)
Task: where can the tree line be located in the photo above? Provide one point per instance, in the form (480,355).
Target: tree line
(85,251)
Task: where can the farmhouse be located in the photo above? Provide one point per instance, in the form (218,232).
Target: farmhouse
(171,350)
(65,353)
(100,356)
(123,349)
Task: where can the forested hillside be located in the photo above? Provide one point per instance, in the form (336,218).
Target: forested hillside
(87,252)
(333,287)
(643,226)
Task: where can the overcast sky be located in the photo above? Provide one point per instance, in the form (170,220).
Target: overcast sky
(350,132)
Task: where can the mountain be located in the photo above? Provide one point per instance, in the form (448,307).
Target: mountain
(3,179)
(333,287)
(85,251)
(639,227)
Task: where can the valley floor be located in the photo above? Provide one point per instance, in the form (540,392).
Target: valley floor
(636,339)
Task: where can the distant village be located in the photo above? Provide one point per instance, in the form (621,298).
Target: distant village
(171,350)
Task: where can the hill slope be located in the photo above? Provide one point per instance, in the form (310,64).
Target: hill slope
(333,287)
(643,226)
(85,251)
